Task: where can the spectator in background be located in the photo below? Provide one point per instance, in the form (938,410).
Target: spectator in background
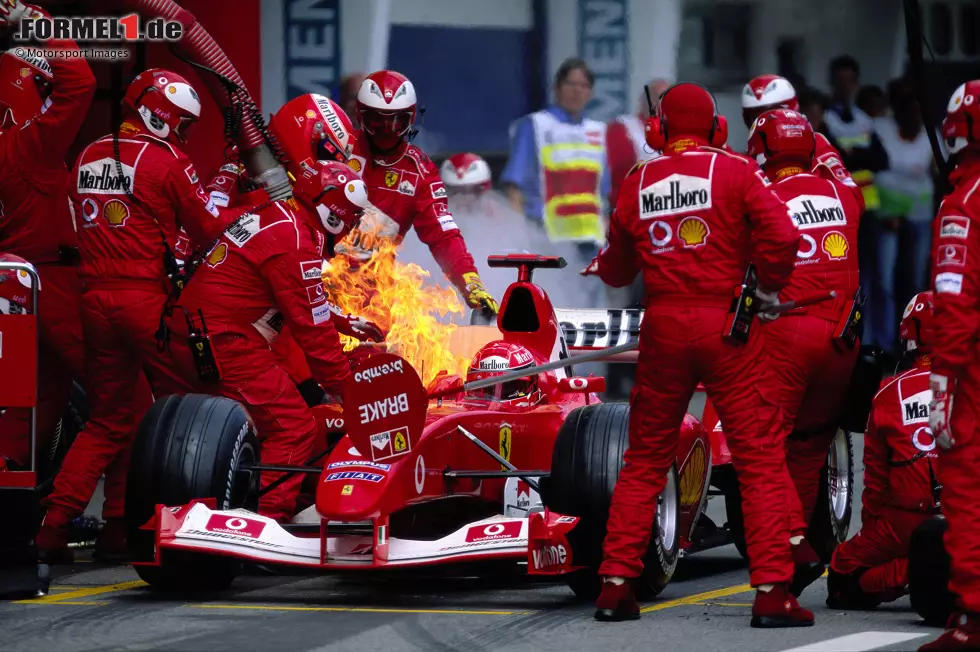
(626,142)
(814,105)
(906,190)
(557,174)
(872,100)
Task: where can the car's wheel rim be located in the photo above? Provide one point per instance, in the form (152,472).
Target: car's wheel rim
(667,513)
(838,477)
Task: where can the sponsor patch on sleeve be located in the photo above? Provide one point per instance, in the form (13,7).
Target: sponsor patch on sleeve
(311,270)
(220,199)
(191,174)
(949,283)
(954,226)
(447,223)
(316,294)
(321,314)
(951,255)
(438,190)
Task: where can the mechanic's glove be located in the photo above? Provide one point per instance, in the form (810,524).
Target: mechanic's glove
(477,296)
(766,300)
(356,327)
(12,11)
(311,392)
(941,409)
(592,269)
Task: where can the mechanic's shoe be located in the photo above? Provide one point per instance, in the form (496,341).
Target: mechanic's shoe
(779,608)
(52,546)
(844,592)
(616,602)
(110,546)
(962,633)
(807,567)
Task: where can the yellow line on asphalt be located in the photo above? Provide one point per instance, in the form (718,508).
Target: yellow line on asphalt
(724,604)
(698,598)
(375,610)
(85,593)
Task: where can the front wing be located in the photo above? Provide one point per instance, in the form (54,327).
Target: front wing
(198,527)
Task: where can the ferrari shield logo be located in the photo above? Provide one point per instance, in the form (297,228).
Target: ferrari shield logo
(399,444)
(391,178)
(347,490)
(505,438)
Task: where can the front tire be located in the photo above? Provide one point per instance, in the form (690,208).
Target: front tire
(189,447)
(587,458)
(831,519)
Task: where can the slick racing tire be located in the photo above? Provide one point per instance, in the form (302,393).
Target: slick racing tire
(189,447)
(585,465)
(929,573)
(831,519)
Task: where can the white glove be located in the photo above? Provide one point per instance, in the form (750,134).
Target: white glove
(941,410)
(766,300)
(11,12)
(362,243)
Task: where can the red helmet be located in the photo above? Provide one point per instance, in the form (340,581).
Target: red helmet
(916,328)
(686,109)
(782,136)
(767,92)
(386,108)
(961,127)
(496,359)
(311,128)
(336,192)
(465,173)
(25,84)
(166,103)
(15,288)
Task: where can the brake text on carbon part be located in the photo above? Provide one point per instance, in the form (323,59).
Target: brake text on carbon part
(386,407)
(376,372)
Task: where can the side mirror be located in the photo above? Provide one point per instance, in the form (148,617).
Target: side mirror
(581,385)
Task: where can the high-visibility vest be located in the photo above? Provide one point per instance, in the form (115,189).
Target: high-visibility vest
(856,134)
(570,158)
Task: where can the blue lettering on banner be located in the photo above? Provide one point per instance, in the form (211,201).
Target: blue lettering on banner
(603,42)
(354,475)
(312,31)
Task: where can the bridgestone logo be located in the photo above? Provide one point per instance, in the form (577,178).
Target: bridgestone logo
(102,178)
(676,194)
(814,212)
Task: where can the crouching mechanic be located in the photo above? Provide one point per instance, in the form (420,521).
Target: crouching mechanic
(900,479)
(691,221)
(261,274)
(956,364)
(812,350)
(404,186)
(131,192)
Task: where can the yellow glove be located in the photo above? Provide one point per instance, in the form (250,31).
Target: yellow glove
(476,294)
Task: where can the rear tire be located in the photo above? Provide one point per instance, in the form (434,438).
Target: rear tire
(831,519)
(587,458)
(189,447)
(929,573)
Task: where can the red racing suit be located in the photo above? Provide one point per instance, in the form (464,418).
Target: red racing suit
(408,189)
(129,216)
(956,355)
(263,273)
(811,370)
(36,224)
(899,470)
(691,221)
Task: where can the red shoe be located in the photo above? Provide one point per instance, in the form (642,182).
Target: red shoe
(962,633)
(616,603)
(807,567)
(110,546)
(52,546)
(779,608)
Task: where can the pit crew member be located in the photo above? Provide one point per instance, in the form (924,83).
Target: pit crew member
(467,180)
(900,477)
(955,377)
(131,191)
(404,186)
(44,104)
(691,221)
(812,350)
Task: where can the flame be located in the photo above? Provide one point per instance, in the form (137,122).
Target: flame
(396,297)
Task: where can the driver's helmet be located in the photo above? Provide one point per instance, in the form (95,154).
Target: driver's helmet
(15,288)
(916,328)
(497,359)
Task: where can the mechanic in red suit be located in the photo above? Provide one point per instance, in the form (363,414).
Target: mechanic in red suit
(404,186)
(900,477)
(812,350)
(691,221)
(767,92)
(131,191)
(44,104)
(263,273)
(955,380)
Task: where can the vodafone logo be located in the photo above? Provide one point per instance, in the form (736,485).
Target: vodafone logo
(660,233)
(240,527)
(494,532)
(578,383)
(924,440)
(236,524)
(808,247)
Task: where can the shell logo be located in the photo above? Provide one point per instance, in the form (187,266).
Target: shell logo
(310,113)
(351,187)
(693,231)
(172,89)
(835,245)
(354,165)
(116,213)
(692,477)
(218,254)
(25,72)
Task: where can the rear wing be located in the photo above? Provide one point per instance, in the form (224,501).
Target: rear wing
(593,329)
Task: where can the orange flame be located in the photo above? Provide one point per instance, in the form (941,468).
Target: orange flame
(396,297)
